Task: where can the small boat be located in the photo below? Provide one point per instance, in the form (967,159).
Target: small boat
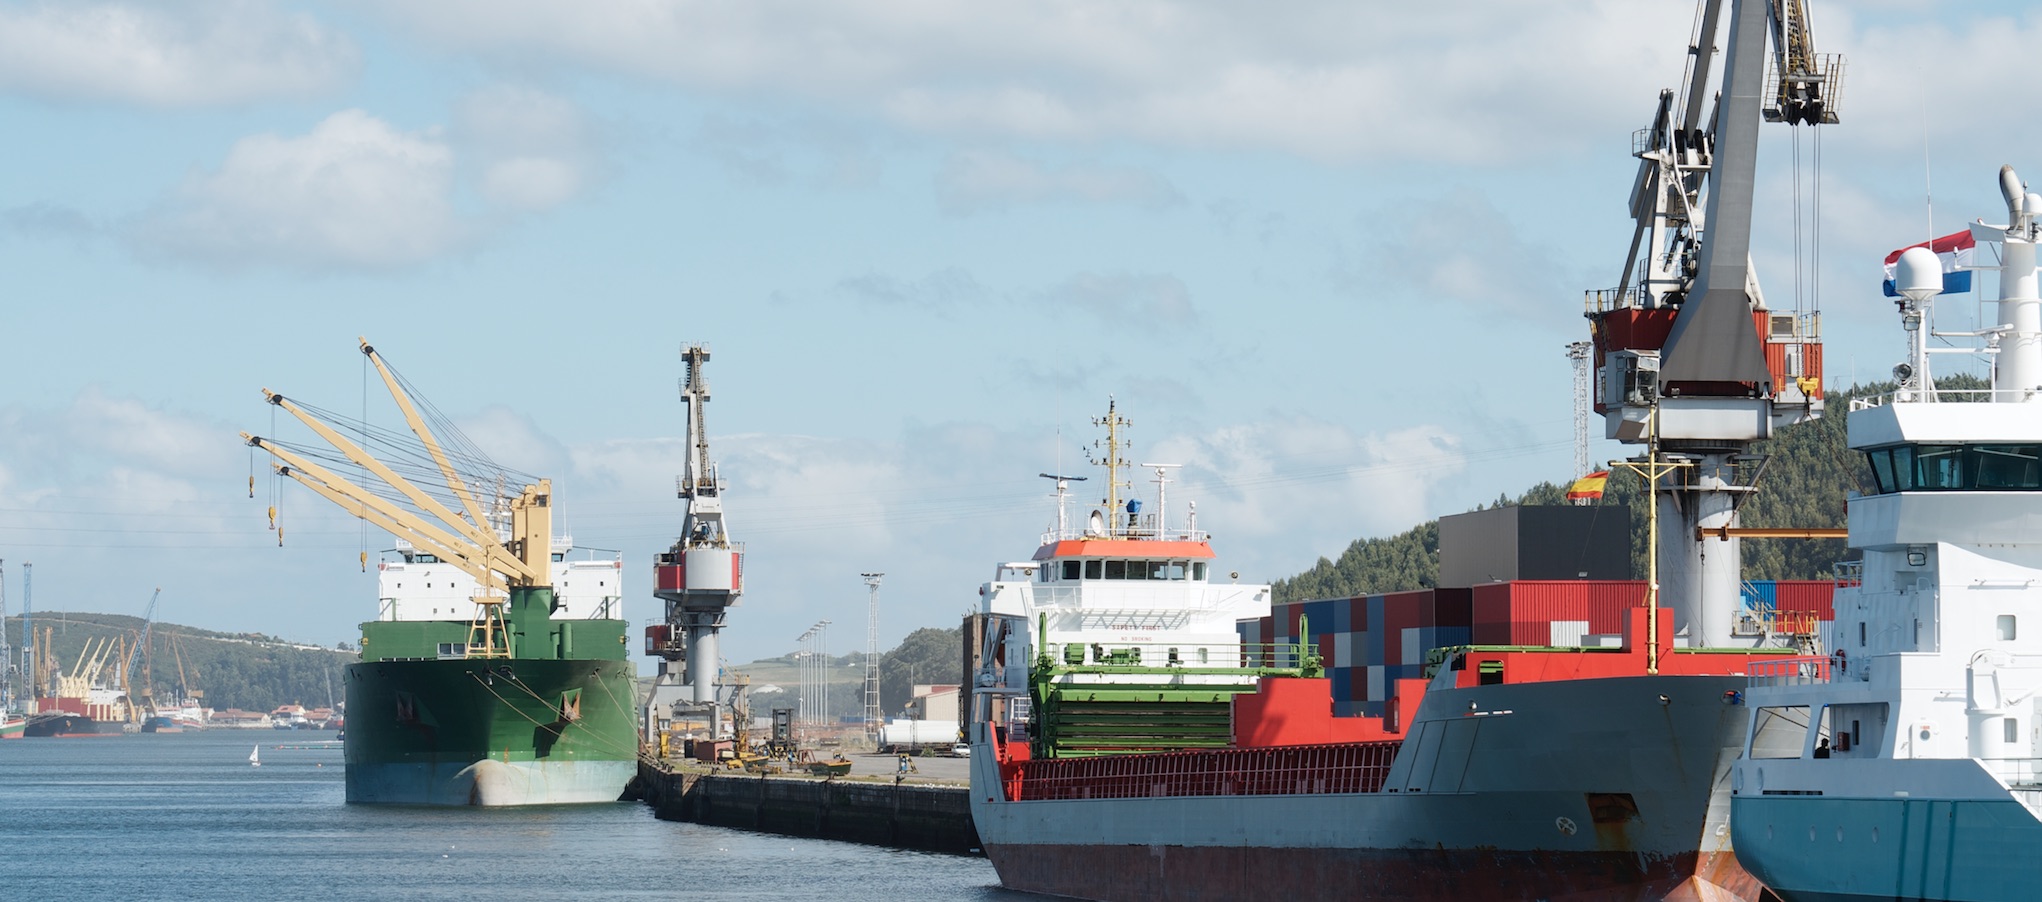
(12,726)
(255,757)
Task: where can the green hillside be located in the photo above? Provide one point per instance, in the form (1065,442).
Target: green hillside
(1807,473)
(250,671)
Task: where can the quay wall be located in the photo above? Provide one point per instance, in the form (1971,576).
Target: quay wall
(882,813)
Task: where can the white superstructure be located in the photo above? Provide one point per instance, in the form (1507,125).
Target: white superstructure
(414,585)
(1906,763)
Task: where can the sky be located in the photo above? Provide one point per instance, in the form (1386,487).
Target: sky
(1325,255)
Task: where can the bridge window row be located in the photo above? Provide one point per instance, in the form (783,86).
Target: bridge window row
(1957,468)
(1074,570)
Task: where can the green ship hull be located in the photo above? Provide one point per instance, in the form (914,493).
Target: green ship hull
(550,722)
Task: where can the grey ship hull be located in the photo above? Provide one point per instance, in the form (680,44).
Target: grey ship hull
(1580,789)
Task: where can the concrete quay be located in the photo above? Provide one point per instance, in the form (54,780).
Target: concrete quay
(873,805)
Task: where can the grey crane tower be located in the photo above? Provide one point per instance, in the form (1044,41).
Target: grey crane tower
(1691,362)
(701,577)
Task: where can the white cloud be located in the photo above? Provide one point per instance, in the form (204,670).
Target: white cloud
(1461,80)
(354,192)
(534,149)
(975,181)
(1283,492)
(1459,247)
(170,54)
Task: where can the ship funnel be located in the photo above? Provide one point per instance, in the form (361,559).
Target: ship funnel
(2017,370)
(1919,275)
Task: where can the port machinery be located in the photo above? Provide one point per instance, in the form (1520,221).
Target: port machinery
(699,578)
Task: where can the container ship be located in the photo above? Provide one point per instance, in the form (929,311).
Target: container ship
(1144,728)
(1907,763)
(493,674)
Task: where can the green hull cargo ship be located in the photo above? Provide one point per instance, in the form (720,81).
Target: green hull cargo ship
(496,671)
(550,724)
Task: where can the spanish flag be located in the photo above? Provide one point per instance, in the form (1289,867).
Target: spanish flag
(1588,487)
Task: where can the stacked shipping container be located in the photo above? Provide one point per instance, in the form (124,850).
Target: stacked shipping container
(1369,642)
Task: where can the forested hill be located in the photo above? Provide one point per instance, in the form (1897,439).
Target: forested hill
(1807,472)
(249,671)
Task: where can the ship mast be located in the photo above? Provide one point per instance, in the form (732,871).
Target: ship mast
(1113,463)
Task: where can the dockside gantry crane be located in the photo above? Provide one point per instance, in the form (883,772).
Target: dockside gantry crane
(505,567)
(1691,363)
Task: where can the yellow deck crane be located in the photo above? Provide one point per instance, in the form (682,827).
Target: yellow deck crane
(468,540)
(184,676)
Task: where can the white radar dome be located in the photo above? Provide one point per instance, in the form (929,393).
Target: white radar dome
(1919,274)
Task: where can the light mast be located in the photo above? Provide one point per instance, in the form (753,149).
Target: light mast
(701,576)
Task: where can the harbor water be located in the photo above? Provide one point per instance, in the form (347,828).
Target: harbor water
(184,816)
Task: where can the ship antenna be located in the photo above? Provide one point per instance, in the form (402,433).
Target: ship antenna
(1063,491)
(1113,422)
(1162,500)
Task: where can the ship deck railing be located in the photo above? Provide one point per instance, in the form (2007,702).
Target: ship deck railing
(1950,395)
(1145,528)
(1798,670)
(1354,767)
(2016,773)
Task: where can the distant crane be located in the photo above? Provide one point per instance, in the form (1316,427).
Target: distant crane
(184,676)
(146,699)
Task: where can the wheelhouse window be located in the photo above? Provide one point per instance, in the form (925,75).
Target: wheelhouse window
(1779,732)
(1143,570)
(1071,569)
(1956,468)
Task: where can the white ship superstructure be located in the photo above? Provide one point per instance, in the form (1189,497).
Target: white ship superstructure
(1905,764)
(416,585)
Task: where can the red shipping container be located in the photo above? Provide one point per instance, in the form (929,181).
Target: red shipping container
(1524,610)
(1417,604)
(1357,615)
(1806,596)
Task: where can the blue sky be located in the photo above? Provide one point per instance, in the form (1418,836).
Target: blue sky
(1326,255)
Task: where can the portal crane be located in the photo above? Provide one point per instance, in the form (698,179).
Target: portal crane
(506,569)
(701,576)
(1691,363)
(146,699)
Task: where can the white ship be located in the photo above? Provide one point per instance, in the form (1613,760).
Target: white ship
(1908,764)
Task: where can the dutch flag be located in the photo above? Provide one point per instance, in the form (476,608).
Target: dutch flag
(1955,249)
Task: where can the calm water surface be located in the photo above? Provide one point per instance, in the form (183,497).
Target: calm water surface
(183,816)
